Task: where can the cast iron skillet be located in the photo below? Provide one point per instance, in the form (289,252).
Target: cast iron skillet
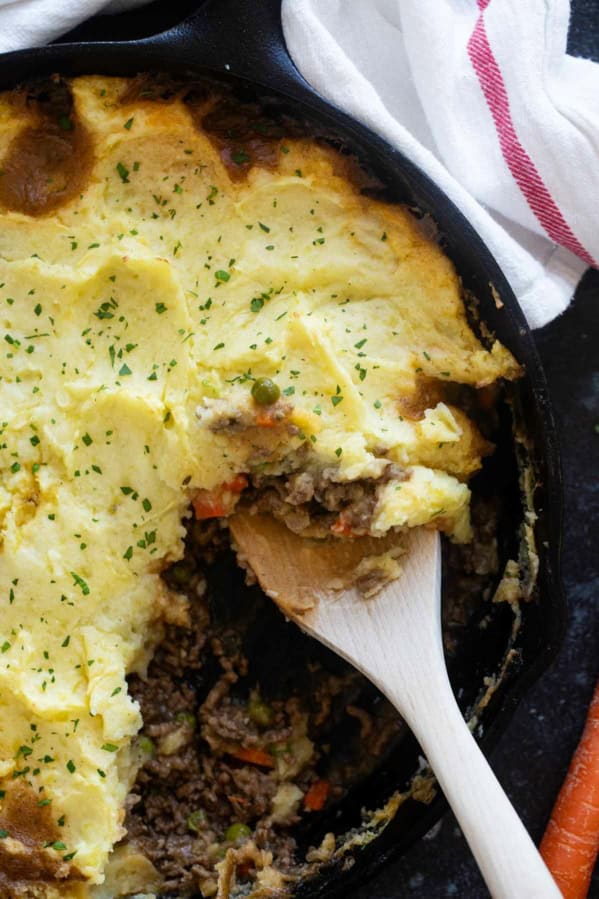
(242,40)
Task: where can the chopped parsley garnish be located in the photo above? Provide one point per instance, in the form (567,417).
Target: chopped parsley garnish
(105,309)
(123,172)
(79,582)
(239,157)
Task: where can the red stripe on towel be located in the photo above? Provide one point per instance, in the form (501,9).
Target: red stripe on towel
(518,161)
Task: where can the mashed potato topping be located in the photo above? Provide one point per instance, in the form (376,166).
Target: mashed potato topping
(136,315)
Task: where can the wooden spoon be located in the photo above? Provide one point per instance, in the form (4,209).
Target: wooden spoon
(395,640)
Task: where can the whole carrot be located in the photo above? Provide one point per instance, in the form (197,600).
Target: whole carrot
(571,840)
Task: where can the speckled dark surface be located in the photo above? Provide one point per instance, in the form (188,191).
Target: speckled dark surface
(533,753)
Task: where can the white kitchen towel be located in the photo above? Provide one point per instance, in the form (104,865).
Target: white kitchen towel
(483,97)
(479,93)
(31,23)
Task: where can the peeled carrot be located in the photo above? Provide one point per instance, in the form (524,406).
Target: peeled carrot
(341,527)
(254,757)
(316,796)
(207,506)
(571,841)
(265,420)
(221,500)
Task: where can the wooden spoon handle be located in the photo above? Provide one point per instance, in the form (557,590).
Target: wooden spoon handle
(406,661)
(395,640)
(505,853)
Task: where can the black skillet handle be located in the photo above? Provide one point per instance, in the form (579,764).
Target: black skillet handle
(243,38)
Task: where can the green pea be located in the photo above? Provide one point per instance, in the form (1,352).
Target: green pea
(186,718)
(237,831)
(261,713)
(265,392)
(181,573)
(196,819)
(146,745)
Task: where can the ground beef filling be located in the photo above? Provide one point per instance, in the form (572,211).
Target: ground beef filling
(228,755)
(315,503)
(251,728)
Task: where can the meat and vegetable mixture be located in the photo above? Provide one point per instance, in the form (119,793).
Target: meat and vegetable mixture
(251,728)
(232,760)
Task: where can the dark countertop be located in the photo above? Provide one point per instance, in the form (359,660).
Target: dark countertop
(533,754)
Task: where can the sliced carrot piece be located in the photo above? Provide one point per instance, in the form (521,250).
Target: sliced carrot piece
(316,796)
(254,757)
(341,528)
(208,507)
(265,420)
(221,500)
